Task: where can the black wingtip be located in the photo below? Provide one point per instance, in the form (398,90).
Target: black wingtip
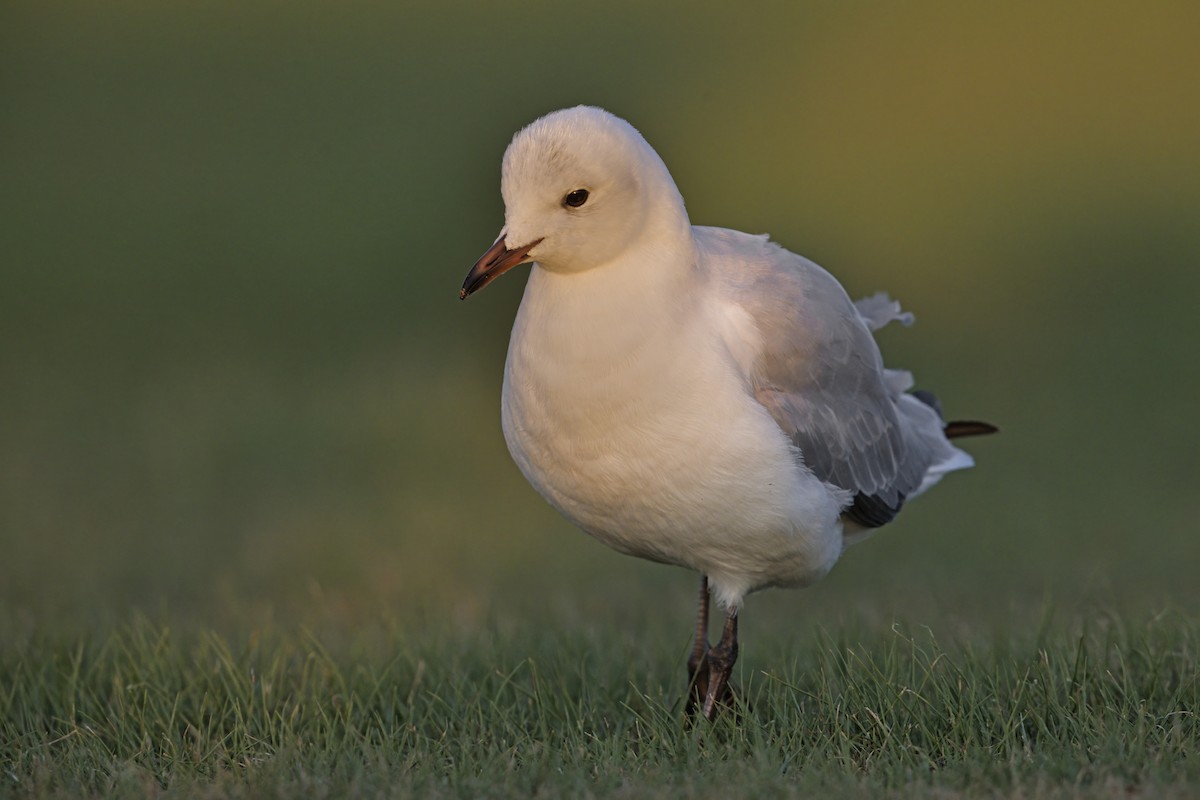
(872,511)
(968,427)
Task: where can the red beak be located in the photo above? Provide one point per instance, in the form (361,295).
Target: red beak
(495,262)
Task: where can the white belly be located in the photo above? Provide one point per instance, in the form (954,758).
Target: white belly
(671,462)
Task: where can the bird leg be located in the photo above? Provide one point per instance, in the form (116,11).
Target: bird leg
(709,668)
(698,660)
(720,660)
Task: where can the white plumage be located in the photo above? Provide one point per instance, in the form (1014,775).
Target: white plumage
(691,395)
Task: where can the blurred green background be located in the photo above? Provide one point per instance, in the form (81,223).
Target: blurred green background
(236,382)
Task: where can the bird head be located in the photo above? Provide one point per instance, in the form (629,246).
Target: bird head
(580,187)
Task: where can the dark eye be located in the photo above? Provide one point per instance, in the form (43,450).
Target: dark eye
(576,198)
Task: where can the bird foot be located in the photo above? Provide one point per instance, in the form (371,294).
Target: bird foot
(709,689)
(720,662)
(709,667)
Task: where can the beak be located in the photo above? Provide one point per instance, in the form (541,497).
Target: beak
(494,263)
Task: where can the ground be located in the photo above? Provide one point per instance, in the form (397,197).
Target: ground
(1103,708)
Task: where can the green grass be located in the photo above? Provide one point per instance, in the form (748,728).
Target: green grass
(1108,710)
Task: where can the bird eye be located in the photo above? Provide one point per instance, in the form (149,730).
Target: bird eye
(576,198)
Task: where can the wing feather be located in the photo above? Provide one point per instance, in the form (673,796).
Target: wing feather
(818,372)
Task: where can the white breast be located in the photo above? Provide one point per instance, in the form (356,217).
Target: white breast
(660,456)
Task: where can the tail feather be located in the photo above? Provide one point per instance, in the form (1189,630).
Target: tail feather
(957,428)
(968,427)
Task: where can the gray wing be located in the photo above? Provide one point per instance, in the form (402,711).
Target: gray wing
(818,371)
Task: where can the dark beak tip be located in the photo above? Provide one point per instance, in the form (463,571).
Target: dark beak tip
(494,263)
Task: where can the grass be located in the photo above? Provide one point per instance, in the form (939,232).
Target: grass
(1104,711)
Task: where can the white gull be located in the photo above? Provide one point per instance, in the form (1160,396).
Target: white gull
(691,395)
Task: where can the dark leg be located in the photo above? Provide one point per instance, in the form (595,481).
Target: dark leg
(720,661)
(700,642)
(698,660)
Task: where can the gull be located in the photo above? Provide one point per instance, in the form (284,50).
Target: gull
(692,395)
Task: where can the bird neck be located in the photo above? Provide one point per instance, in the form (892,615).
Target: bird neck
(611,311)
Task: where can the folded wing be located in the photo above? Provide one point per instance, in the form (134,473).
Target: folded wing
(818,371)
